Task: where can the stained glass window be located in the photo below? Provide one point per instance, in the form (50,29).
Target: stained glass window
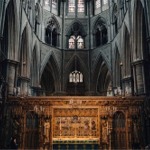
(76,77)
(54,3)
(71,5)
(46,2)
(105,2)
(98,3)
(72,42)
(80,42)
(80,5)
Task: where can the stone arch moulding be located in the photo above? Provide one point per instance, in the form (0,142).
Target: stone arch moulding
(53,18)
(13,42)
(52,66)
(83,69)
(101,62)
(107,61)
(34,65)
(70,28)
(45,61)
(98,20)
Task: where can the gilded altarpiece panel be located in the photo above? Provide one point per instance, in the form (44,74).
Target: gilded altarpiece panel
(75,124)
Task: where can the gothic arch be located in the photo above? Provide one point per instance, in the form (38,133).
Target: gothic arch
(35,69)
(100,32)
(10,32)
(117,67)
(138,27)
(45,61)
(24,54)
(139,47)
(119,131)
(115,18)
(73,25)
(50,76)
(127,53)
(52,32)
(75,29)
(71,67)
(101,76)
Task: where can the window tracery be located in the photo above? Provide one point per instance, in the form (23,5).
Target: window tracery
(51,34)
(76,77)
(100,3)
(76,42)
(80,6)
(101,36)
(54,4)
(76,6)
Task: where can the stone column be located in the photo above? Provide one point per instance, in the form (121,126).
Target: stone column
(139,77)
(24,83)
(11,75)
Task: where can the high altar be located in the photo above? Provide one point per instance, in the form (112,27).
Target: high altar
(76,122)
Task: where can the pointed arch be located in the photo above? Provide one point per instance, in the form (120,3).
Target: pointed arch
(34,67)
(76,26)
(75,35)
(52,32)
(117,67)
(24,54)
(127,53)
(101,78)
(50,77)
(138,30)
(100,32)
(80,66)
(10,32)
(119,131)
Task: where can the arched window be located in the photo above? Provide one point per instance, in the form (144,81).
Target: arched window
(101,36)
(72,42)
(76,6)
(51,34)
(80,5)
(71,5)
(76,77)
(105,2)
(100,4)
(54,4)
(46,2)
(76,42)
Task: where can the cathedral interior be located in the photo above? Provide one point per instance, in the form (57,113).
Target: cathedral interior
(75,74)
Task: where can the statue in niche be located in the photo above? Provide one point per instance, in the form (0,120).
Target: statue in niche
(46,131)
(93,125)
(104,131)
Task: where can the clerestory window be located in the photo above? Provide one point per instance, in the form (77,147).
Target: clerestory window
(76,6)
(100,5)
